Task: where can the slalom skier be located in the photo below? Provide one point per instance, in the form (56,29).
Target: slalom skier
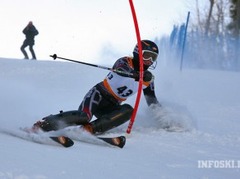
(104,100)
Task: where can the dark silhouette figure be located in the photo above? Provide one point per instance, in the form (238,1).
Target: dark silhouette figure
(30,32)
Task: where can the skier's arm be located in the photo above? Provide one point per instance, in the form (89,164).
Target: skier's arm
(25,30)
(122,65)
(150,96)
(35,31)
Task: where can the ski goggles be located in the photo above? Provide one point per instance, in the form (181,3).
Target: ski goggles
(149,57)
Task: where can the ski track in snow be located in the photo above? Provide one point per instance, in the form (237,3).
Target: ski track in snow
(199,120)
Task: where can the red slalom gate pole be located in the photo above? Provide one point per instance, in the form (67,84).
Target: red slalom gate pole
(141,69)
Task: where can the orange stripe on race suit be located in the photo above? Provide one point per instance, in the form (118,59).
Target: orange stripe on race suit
(108,87)
(146,84)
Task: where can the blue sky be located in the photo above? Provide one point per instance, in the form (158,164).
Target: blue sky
(80,29)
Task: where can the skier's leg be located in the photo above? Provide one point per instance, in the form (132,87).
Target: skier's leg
(32,51)
(24,45)
(77,117)
(62,120)
(111,120)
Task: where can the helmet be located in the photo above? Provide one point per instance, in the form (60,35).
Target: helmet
(149,52)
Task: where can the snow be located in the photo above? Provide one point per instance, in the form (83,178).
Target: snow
(202,108)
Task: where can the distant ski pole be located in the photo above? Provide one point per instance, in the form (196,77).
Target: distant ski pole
(54,56)
(184,40)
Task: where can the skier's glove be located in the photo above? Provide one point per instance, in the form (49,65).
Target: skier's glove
(147,76)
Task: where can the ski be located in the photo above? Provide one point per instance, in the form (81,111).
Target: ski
(63,140)
(65,137)
(41,138)
(79,134)
(114,141)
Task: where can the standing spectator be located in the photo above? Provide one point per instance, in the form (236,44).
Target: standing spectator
(30,32)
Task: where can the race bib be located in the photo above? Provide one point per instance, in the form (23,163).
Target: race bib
(122,87)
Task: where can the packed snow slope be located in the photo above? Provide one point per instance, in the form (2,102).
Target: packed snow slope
(201,109)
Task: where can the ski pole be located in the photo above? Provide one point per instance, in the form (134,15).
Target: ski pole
(132,75)
(184,40)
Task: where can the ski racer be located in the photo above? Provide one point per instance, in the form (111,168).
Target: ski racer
(104,100)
